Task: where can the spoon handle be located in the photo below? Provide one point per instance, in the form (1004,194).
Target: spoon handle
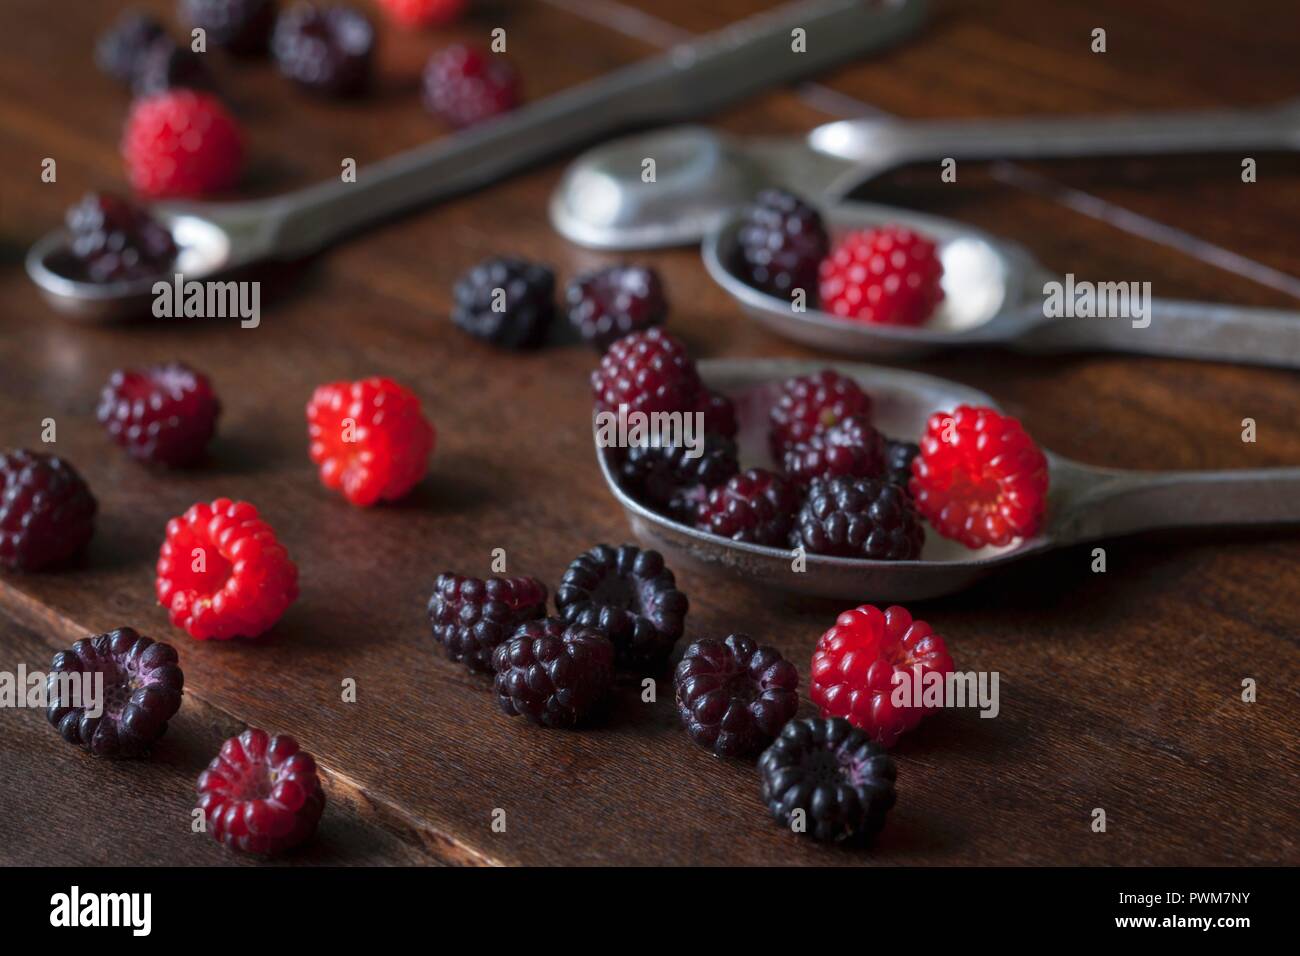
(883,143)
(1198,330)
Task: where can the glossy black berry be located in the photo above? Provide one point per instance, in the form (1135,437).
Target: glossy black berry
(47,514)
(121,47)
(735,696)
(859,518)
(554,673)
(898,461)
(471,616)
(667,479)
(506,301)
(327,50)
(166,66)
(113,240)
(606,305)
(780,244)
(242,27)
(826,779)
(629,595)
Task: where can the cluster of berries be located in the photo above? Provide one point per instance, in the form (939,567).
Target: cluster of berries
(890,275)
(510,302)
(841,488)
(181,140)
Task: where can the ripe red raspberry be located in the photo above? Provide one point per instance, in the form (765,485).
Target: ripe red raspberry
(756,506)
(181,143)
(809,403)
(223,574)
(423,13)
(165,414)
(979,478)
(369,438)
(889,276)
(47,514)
(463,85)
(261,794)
(649,372)
(856,663)
(849,448)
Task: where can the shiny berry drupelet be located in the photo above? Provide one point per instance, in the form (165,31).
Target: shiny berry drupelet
(980,479)
(241,27)
(507,301)
(261,794)
(120,49)
(181,143)
(554,673)
(142,684)
(326,50)
(423,13)
(47,513)
(719,413)
(471,616)
(756,506)
(899,456)
(859,664)
(667,479)
(613,302)
(165,414)
(809,403)
(222,574)
(648,372)
(850,448)
(369,439)
(780,243)
(631,597)
(886,276)
(858,518)
(840,779)
(734,696)
(113,240)
(464,85)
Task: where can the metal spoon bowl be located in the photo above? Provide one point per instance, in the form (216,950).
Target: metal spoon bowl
(1085,503)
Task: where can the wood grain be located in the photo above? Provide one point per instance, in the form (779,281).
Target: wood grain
(1118,690)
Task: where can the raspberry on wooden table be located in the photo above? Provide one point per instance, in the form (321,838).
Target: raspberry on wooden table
(120,48)
(507,301)
(423,13)
(241,27)
(327,50)
(888,276)
(464,85)
(733,695)
(554,673)
(612,302)
(181,143)
(471,616)
(164,414)
(47,513)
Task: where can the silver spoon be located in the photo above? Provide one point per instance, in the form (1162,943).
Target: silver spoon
(689,80)
(994,295)
(702,175)
(1085,503)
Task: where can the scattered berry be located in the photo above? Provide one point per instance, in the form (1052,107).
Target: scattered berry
(324,49)
(242,27)
(809,403)
(166,414)
(554,673)
(898,462)
(849,448)
(165,66)
(47,514)
(464,85)
(888,276)
(121,47)
(630,596)
(470,616)
(781,242)
(719,413)
(648,372)
(858,518)
(423,13)
(142,691)
(608,304)
(979,478)
(833,772)
(261,794)
(735,696)
(181,143)
(222,573)
(114,240)
(756,506)
(369,439)
(506,301)
(856,664)
(666,479)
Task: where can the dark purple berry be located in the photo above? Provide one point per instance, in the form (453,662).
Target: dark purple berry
(859,518)
(470,616)
(164,414)
(734,696)
(613,302)
(326,50)
(898,461)
(666,479)
(47,514)
(850,447)
(781,242)
(553,673)
(113,240)
(756,506)
(120,48)
(166,66)
(463,85)
(506,301)
(242,27)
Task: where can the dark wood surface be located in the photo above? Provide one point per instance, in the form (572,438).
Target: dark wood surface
(1119,691)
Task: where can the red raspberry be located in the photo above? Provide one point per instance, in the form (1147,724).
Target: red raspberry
(165,414)
(261,794)
(369,439)
(423,13)
(850,448)
(649,372)
(855,663)
(222,573)
(181,143)
(756,506)
(888,276)
(464,85)
(979,478)
(809,403)
(47,513)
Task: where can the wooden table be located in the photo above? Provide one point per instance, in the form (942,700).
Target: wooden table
(1119,690)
